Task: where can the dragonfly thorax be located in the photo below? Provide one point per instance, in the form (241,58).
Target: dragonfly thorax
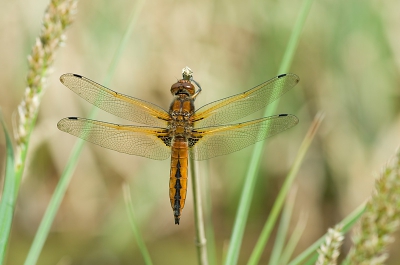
(181,111)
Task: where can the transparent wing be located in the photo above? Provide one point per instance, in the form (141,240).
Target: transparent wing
(215,141)
(143,141)
(120,105)
(238,106)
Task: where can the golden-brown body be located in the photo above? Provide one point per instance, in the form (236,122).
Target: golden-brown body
(180,129)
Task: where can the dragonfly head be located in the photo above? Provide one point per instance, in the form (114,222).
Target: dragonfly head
(183,87)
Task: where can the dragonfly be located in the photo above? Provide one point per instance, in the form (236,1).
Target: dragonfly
(182,131)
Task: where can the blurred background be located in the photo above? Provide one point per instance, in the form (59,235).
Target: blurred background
(348,62)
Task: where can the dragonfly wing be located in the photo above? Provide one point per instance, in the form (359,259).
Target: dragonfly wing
(120,105)
(215,141)
(150,142)
(238,106)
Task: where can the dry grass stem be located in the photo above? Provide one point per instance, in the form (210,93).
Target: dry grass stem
(330,249)
(56,19)
(374,231)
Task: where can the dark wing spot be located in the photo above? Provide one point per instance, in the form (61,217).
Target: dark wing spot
(282,75)
(193,141)
(166,139)
(282,115)
(72,118)
(77,75)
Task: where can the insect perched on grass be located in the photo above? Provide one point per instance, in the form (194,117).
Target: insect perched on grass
(182,131)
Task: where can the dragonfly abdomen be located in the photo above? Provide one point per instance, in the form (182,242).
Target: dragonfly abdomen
(178,176)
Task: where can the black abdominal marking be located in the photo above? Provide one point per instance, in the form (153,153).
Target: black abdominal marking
(178,188)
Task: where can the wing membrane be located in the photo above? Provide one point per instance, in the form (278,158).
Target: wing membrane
(134,140)
(221,140)
(123,106)
(238,106)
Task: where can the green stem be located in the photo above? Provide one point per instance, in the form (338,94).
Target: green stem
(283,228)
(134,226)
(211,246)
(293,240)
(8,198)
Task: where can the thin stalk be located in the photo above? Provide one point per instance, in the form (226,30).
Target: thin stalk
(134,226)
(295,36)
(212,256)
(58,16)
(283,228)
(293,240)
(52,208)
(198,216)
(269,225)
(251,176)
(66,176)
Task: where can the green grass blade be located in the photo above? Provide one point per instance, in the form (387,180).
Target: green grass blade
(136,10)
(283,228)
(210,235)
(347,223)
(293,240)
(7,204)
(54,204)
(66,176)
(270,223)
(249,184)
(295,37)
(312,260)
(135,229)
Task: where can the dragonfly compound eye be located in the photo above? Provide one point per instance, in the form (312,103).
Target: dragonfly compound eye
(183,87)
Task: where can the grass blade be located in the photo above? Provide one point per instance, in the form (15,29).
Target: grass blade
(283,228)
(293,240)
(7,204)
(135,229)
(52,208)
(66,176)
(295,37)
(210,236)
(269,225)
(249,184)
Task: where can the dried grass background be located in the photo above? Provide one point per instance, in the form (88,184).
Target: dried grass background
(348,61)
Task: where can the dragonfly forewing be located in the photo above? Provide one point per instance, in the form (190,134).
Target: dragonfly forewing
(241,105)
(127,107)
